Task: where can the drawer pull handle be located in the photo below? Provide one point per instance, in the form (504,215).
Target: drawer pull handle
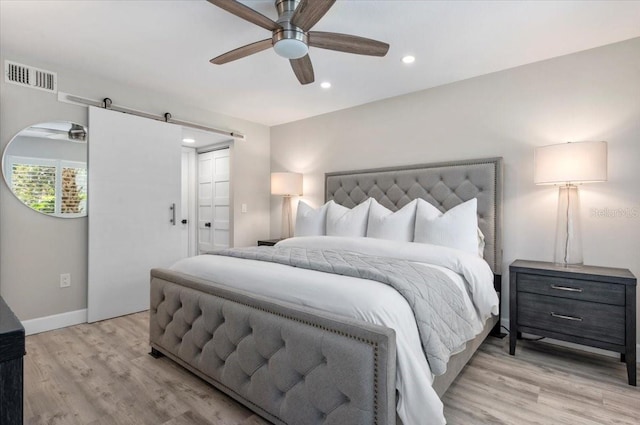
(562,316)
(566,288)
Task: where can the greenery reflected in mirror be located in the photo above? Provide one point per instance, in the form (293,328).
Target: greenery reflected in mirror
(45,166)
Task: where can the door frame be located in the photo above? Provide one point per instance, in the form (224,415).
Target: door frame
(192,199)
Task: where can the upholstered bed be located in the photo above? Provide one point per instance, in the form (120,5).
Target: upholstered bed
(292,360)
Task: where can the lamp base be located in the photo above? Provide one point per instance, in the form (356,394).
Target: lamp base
(287,219)
(568,250)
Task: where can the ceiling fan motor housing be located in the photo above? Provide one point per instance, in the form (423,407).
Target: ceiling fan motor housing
(291,41)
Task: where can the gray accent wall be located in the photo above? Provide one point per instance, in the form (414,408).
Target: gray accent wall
(590,95)
(35,249)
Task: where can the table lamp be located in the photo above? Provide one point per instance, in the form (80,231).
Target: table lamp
(287,185)
(568,164)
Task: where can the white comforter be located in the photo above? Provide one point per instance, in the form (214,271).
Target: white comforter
(364,299)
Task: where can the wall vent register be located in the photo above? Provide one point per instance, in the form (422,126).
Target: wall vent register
(29,76)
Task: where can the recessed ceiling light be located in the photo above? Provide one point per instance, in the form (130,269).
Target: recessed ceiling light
(188,140)
(408,59)
(325,85)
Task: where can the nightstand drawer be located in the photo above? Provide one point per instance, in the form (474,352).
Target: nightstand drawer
(600,322)
(577,289)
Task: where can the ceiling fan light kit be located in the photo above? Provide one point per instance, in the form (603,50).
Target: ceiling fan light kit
(290,42)
(291,35)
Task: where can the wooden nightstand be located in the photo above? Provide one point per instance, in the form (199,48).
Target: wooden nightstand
(268,242)
(586,305)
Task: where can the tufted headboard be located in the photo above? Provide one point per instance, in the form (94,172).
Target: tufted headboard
(444,185)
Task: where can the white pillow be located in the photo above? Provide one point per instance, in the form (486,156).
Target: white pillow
(342,221)
(457,228)
(395,226)
(310,221)
(481,243)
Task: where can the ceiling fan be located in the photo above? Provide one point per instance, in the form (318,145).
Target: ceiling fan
(291,35)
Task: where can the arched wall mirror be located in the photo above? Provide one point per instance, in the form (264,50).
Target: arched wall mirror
(45,166)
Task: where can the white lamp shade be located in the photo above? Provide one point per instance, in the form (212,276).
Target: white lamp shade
(288,184)
(578,162)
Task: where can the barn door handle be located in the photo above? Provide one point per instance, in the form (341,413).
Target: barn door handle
(207,224)
(184,221)
(173,214)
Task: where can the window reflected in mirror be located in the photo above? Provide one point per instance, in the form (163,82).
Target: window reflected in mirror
(45,166)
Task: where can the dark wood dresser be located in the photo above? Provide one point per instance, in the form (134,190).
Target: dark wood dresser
(11,371)
(594,306)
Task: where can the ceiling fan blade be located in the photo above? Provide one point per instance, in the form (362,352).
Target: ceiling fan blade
(303,69)
(242,52)
(309,12)
(347,43)
(246,13)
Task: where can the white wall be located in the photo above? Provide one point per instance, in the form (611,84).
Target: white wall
(591,95)
(35,249)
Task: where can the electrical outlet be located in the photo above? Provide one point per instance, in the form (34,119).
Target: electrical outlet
(65,280)
(244,208)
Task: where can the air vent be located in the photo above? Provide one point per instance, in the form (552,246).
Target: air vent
(29,76)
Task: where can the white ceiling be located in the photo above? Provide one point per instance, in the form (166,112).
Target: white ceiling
(166,46)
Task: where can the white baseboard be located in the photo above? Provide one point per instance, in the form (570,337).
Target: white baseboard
(62,320)
(505,323)
(56,321)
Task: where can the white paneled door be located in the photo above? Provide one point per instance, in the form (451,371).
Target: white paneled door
(213,200)
(134,182)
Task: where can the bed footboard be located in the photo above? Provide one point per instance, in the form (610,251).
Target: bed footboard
(288,363)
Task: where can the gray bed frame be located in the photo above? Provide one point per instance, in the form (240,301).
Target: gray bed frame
(296,365)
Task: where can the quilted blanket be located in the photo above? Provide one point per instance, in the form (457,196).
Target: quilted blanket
(438,305)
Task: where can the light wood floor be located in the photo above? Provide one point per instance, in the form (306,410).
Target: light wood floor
(101,374)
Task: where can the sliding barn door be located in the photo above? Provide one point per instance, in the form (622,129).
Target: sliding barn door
(134,195)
